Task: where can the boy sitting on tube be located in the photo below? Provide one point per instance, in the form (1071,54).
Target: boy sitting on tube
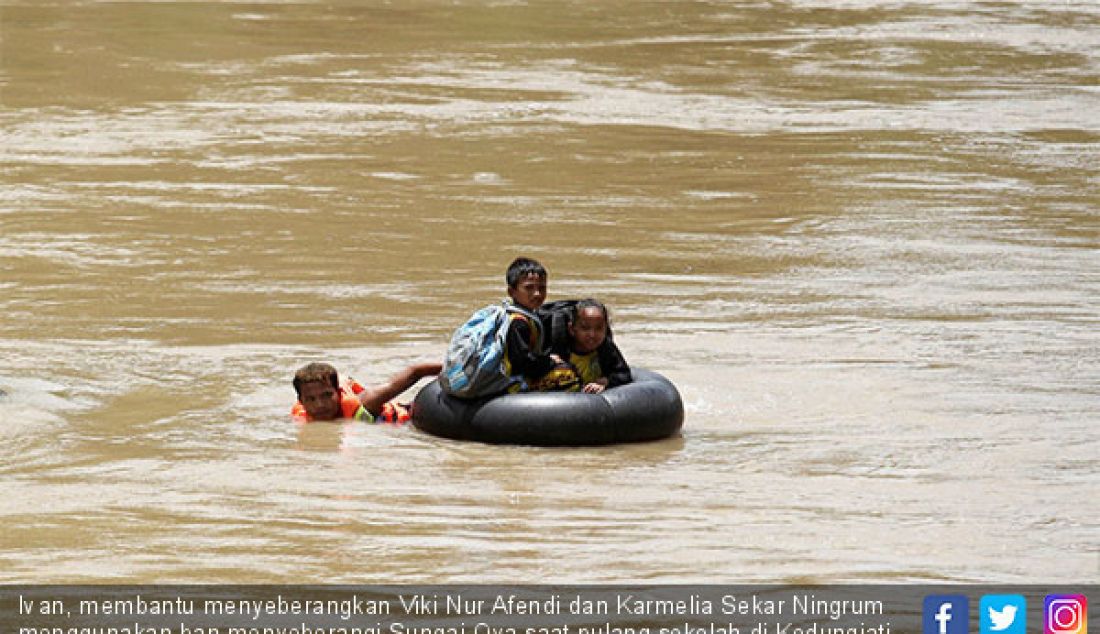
(524,358)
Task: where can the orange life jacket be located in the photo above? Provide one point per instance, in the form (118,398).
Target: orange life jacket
(394,412)
(349,408)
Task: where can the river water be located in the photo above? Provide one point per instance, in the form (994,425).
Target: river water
(861,236)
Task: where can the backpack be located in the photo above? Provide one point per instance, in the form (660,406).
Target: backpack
(474,364)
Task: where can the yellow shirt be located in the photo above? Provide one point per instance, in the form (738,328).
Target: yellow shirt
(588,366)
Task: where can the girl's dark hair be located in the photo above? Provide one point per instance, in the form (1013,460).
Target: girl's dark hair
(315,373)
(521,268)
(588,303)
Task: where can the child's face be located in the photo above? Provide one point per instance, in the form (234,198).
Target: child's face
(320,400)
(529,291)
(588,330)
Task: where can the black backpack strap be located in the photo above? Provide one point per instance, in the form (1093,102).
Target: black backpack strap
(534,322)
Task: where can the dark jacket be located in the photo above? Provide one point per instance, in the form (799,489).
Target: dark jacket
(532,363)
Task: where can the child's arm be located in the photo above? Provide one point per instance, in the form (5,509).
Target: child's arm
(530,363)
(374,397)
(613,364)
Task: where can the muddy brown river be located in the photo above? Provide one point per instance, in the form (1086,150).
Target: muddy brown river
(861,236)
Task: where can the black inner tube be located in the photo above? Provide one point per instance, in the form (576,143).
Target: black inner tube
(648,408)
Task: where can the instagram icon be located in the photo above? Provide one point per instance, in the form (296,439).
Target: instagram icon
(1065,614)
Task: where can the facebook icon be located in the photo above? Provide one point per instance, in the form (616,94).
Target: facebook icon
(946,614)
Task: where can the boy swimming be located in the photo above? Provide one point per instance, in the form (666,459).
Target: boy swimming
(321,397)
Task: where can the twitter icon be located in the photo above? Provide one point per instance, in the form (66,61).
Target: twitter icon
(1003,614)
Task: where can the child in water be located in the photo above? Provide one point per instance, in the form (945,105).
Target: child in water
(595,358)
(322,398)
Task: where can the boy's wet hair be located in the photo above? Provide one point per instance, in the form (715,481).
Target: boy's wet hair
(521,268)
(315,373)
(588,303)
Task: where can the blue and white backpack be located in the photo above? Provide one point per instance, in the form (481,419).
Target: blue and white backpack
(474,365)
